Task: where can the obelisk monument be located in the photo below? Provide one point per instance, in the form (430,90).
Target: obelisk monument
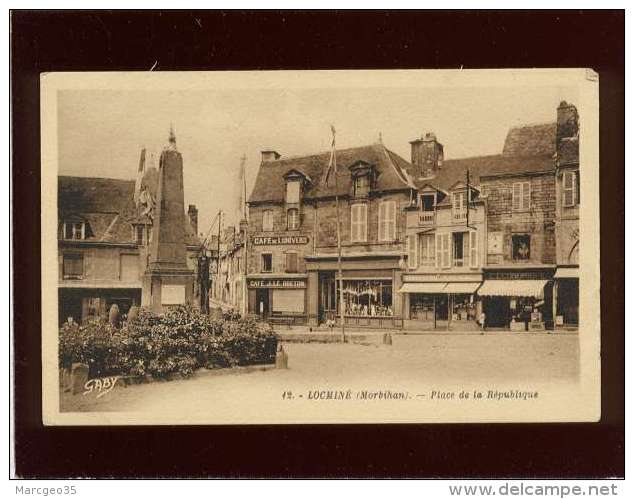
(168,281)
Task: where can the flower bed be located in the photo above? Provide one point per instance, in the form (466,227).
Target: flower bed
(177,342)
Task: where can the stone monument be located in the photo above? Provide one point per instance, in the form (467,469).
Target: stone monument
(168,281)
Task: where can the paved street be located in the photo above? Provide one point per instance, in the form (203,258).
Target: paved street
(412,360)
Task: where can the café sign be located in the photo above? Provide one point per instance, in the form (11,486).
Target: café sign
(277,240)
(277,283)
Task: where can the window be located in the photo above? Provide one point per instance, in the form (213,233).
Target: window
(139,234)
(74,230)
(521,196)
(521,247)
(460,205)
(460,248)
(292,192)
(267,220)
(291,262)
(427,202)
(267,262)
(427,250)
(387,221)
(443,257)
(570,189)
(358,222)
(412,259)
(473,249)
(361,186)
(73,266)
(292,219)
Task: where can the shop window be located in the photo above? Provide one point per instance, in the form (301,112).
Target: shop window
(521,196)
(361,186)
(267,220)
(358,223)
(74,230)
(367,298)
(521,247)
(292,219)
(73,266)
(570,188)
(422,307)
(459,205)
(427,250)
(267,262)
(291,262)
(387,221)
(292,191)
(463,308)
(443,245)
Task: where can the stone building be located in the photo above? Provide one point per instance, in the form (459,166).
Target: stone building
(229,278)
(292,245)
(106,230)
(493,251)
(568,189)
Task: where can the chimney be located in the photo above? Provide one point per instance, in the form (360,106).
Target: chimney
(192,211)
(427,154)
(567,121)
(270,156)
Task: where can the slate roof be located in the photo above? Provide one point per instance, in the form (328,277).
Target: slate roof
(107,205)
(531,140)
(392,173)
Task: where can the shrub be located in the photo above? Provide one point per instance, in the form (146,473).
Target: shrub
(179,341)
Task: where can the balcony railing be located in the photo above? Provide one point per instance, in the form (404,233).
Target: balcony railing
(427,218)
(460,214)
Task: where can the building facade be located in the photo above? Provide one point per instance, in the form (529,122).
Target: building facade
(106,228)
(292,248)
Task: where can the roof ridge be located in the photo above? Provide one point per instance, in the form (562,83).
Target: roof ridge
(535,124)
(303,156)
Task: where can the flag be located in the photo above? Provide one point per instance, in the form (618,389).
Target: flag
(332,164)
(242,189)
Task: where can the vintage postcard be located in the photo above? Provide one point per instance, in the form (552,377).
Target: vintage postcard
(282,247)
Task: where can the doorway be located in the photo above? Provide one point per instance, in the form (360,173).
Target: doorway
(497,310)
(327,296)
(262,302)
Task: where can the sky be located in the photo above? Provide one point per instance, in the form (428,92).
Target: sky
(101,132)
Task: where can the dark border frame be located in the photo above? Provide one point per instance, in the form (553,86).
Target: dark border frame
(243,40)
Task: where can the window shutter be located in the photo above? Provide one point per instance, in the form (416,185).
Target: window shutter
(517,187)
(393,221)
(577,188)
(569,189)
(438,247)
(446,262)
(412,257)
(353,222)
(473,249)
(364,226)
(382,221)
(526,196)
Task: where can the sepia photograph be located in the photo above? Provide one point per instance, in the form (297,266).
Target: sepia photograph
(320,247)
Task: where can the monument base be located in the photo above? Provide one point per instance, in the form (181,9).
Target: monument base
(167,289)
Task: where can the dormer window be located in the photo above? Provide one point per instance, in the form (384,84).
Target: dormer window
(427,202)
(459,205)
(362,186)
(293,190)
(74,231)
(141,234)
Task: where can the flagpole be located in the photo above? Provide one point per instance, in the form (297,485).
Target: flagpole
(339,269)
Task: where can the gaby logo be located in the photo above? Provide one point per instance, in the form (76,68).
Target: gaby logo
(101,385)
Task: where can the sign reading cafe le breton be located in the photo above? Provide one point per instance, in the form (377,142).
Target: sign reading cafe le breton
(277,283)
(274,240)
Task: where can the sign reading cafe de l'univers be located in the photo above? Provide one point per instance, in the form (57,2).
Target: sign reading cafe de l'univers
(274,240)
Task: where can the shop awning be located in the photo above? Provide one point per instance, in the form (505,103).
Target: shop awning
(499,287)
(422,287)
(457,288)
(567,273)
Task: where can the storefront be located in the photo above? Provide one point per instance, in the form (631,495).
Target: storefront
(441,304)
(368,292)
(519,301)
(278,298)
(566,297)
